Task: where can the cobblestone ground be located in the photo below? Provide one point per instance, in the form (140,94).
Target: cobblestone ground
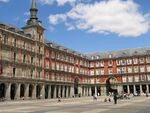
(77,105)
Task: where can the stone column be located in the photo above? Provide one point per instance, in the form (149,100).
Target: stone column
(86,91)
(63,91)
(103,90)
(128,89)
(43,91)
(134,89)
(17,96)
(59,90)
(67,91)
(49,91)
(26,95)
(34,91)
(141,89)
(95,90)
(147,88)
(7,95)
(120,89)
(80,90)
(72,91)
(89,91)
(54,93)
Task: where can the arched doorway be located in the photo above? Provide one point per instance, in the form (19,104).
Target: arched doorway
(46,91)
(38,91)
(13,91)
(30,90)
(76,84)
(110,83)
(22,90)
(2,90)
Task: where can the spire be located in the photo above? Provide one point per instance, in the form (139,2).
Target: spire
(33,11)
(33,15)
(33,20)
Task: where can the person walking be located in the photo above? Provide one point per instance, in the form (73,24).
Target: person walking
(115,98)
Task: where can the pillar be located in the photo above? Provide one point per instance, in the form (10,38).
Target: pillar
(134,89)
(49,91)
(26,95)
(141,89)
(71,91)
(128,89)
(7,95)
(95,90)
(147,88)
(103,90)
(89,91)
(63,91)
(67,91)
(17,96)
(43,91)
(54,93)
(80,90)
(34,91)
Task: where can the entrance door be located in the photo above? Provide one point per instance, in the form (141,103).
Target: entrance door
(110,82)
(76,84)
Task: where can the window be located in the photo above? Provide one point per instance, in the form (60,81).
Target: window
(147,59)
(130,69)
(14,56)
(148,77)
(143,77)
(135,69)
(148,68)
(123,62)
(110,62)
(118,62)
(124,79)
(92,64)
(142,69)
(31,60)
(15,42)
(5,38)
(135,61)
(92,72)
(24,58)
(102,71)
(14,72)
(136,78)
(110,71)
(101,63)
(130,79)
(97,72)
(141,60)
(129,61)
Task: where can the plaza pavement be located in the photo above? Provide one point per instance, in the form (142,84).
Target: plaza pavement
(77,105)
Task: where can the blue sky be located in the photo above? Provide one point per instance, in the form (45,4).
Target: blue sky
(86,25)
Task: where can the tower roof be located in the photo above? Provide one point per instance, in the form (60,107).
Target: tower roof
(33,20)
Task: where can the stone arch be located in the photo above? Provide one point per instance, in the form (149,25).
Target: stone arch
(110,82)
(38,91)
(76,85)
(22,90)
(30,90)
(13,91)
(2,90)
(46,91)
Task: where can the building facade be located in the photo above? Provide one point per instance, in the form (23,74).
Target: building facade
(32,67)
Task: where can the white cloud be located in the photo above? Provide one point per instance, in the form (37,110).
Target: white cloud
(110,16)
(4,0)
(27,13)
(61,2)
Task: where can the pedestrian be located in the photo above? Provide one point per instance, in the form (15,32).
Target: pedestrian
(115,98)
(146,93)
(59,98)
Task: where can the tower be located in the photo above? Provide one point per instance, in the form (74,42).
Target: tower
(35,28)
